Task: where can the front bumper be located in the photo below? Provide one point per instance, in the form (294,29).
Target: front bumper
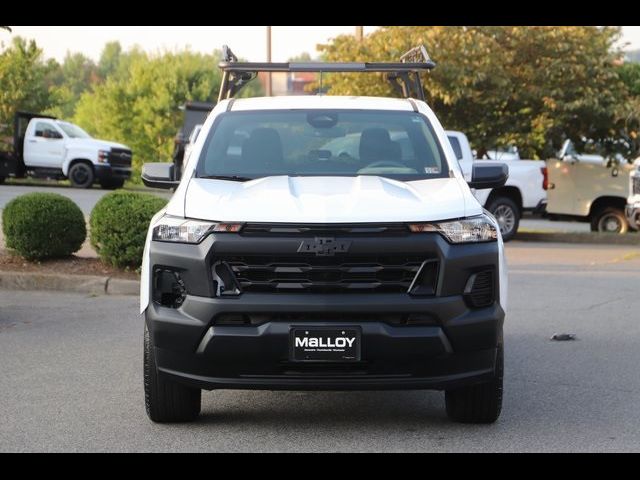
(107,172)
(633,214)
(453,345)
(458,347)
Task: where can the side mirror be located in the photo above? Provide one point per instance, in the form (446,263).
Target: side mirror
(489,175)
(159,175)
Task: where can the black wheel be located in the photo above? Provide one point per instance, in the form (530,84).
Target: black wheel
(507,214)
(166,401)
(480,403)
(81,175)
(112,183)
(609,220)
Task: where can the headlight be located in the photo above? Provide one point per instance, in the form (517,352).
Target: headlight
(467,230)
(103,156)
(181,230)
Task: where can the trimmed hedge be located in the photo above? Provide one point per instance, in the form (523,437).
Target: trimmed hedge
(43,225)
(119,224)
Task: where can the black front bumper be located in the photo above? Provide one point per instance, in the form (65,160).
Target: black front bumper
(108,172)
(454,345)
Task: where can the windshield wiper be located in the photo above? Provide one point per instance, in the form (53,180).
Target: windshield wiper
(233,178)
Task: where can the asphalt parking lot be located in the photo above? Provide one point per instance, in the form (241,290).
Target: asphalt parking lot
(71,376)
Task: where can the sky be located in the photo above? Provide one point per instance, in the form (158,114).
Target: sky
(246,42)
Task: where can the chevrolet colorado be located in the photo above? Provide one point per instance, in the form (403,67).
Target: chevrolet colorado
(278,264)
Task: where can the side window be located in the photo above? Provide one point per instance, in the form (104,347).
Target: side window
(455,144)
(45,130)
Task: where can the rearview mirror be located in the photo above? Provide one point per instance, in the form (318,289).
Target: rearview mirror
(489,175)
(159,175)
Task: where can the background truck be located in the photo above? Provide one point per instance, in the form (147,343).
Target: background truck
(43,146)
(524,190)
(582,187)
(633,204)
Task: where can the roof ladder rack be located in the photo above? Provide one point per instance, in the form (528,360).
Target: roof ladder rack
(404,75)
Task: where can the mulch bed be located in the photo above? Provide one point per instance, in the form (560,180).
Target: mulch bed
(71,266)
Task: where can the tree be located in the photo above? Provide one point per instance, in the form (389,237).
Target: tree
(76,75)
(110,59)
(22,81)
(140,107)
(529,86)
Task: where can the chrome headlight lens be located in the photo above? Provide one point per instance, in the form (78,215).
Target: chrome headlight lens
(467,230)
(182,230)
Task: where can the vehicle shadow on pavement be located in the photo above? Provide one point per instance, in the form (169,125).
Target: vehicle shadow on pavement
(267,409)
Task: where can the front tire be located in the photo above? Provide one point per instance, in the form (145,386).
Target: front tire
(81,175)
(480,403)
(609,220)
(507,214)
(164,400)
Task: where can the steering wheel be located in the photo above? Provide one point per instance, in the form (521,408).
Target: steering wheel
(385,163)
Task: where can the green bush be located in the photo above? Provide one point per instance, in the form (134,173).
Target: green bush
(119,224)
(43,225)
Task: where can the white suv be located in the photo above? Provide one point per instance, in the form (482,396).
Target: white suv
(281,264)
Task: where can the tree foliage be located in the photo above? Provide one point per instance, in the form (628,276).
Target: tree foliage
(139,102)
(529,86)
(23,86)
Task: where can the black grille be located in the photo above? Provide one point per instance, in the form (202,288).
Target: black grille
(120,157)
(480,289)
(636,185)
(390,273)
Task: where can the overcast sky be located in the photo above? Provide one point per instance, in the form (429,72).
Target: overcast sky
(247,42)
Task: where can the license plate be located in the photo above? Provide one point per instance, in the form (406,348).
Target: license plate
(325,344)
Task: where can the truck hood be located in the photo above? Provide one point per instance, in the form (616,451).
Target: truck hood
(93,143)
(362,199)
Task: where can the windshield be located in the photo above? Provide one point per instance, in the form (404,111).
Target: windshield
(255,144)
(73,131)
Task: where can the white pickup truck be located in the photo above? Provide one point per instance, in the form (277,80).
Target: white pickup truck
(524,190)
(47,147)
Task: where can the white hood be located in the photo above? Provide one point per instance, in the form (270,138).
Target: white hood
(93,143)
(361,199)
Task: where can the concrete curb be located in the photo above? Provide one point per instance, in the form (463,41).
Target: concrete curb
(88,284)
(632,239)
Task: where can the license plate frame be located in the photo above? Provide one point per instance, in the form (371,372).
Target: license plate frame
(327,348)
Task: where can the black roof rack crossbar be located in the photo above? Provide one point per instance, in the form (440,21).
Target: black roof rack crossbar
(403,75)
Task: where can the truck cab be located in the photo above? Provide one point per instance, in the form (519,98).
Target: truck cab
(53,148)
(582,187)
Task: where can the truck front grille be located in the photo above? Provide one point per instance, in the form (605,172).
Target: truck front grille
(355,274)
(120,157)
(636,185)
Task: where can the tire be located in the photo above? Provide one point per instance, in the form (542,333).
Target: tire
(112,183)
(81,175)
(609,220)
(508,215)
(164,400)
(480,403)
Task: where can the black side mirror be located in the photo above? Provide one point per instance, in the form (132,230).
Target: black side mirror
(489,175)
(159,175)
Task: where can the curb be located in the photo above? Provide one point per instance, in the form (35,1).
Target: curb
(632,239)
(88,284)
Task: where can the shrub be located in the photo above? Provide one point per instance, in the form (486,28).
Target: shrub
(43,225)
(119,224)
